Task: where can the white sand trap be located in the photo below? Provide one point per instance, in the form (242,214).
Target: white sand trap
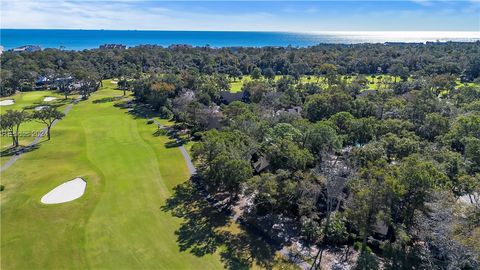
(39,108)
(7,102)
(47,99)
(65,192)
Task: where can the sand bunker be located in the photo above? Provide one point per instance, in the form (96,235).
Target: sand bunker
(65,192)
(47,99)
(39,108)
(7,102)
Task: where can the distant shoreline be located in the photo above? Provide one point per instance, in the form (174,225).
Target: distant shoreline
(80,39)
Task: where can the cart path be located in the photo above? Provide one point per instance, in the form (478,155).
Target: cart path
(285,252)
(42,133)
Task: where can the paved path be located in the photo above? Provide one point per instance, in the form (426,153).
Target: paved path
(17,155)
(237,209)
(188,160)
(184,152)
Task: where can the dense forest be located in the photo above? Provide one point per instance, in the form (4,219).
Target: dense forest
(305,147)
(20,70)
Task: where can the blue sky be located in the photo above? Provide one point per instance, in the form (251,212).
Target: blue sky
(418,15)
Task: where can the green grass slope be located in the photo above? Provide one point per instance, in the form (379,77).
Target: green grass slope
(29,100)
(118,223)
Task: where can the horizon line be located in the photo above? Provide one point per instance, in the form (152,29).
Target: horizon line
(272,31)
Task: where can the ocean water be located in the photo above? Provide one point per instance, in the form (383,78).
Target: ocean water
(88,39)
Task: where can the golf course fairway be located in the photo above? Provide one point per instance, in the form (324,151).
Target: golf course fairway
(118,223)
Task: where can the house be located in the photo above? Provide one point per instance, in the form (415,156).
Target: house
(188,95)
(295,111)
(259,163)
(65,80)
(113,46)
(380,229)
(42,80)
(228,97)
(215,117)
(27,48)
(75,86)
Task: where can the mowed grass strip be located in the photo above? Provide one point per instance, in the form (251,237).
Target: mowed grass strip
(118,223)
(380,81)
(23,100)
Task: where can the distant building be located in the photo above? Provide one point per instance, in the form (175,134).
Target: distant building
(215,117)
(297,110)
(228,97)
(113,46)
(64,80)
(1,50)
(27,48)
(42,80)
(180,46)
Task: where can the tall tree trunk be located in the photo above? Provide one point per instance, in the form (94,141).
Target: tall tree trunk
(16,135)
(326,229)
(365,231)
(13,138)
(48,132)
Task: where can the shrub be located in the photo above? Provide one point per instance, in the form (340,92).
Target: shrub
(337,232)
(367,260)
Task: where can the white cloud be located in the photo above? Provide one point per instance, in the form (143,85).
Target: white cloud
(118,15)
(136,14)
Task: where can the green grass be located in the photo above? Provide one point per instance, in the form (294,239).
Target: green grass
(119,222)
(236,86)
(374,82)
(382,81)
(460,84)
(25,100)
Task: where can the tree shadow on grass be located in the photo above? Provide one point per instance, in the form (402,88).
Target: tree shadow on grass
(205,230)
(139,110)
(12,151)
(198,233)
(106,99)
(174,142)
